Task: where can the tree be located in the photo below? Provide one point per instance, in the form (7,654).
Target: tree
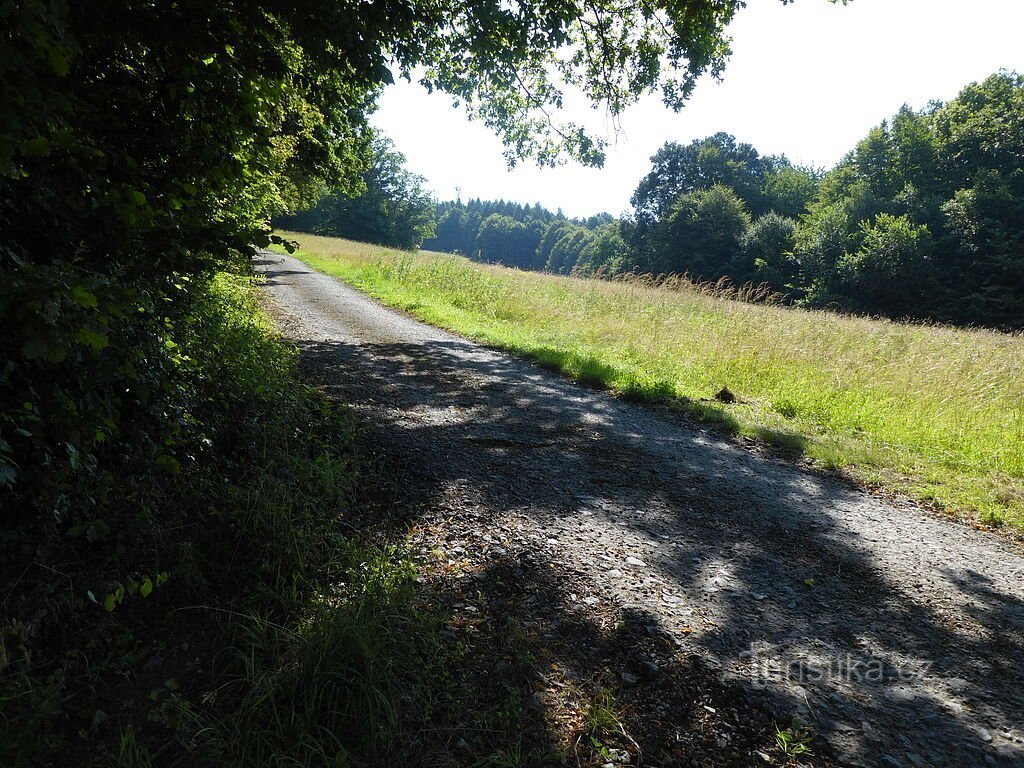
(547,242)
(822,240)
(702,234)
(504,240)
(987,224)
(681,169)
(450,232)
(567,249)
(392,209)
(940,192)
(766,253)
(788,189)
(606,250)
(886,274)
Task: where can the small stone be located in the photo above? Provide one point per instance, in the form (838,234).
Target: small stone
(957,684)
(629,680)
(649,669)
(985,735)
(636,561)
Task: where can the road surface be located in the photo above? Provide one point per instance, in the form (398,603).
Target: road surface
(898,634)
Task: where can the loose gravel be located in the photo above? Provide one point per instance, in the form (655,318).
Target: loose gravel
(896,633)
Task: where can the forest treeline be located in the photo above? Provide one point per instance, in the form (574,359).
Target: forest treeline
(923,219)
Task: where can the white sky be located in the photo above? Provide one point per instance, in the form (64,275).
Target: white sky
(807,80)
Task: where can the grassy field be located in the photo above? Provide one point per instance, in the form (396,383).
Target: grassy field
(934,412)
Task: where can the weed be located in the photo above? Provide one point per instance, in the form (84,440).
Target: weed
(794,741)
(600,716)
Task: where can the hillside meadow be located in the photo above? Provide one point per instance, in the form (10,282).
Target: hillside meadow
(933,412)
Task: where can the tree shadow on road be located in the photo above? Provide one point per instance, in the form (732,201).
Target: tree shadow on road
(804,616)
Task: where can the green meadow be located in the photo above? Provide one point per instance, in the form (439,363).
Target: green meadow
(932,412)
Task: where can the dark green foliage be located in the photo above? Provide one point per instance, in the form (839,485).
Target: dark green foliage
(680,175)
(923,219)
(766,253)
(234,551)
(392,209)
(529,237)
(569,245)
(150,143)
(889,267)
(679,170)
(702,234)
(605,250)
(503,240)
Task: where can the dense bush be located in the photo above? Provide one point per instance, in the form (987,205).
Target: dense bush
(243,513)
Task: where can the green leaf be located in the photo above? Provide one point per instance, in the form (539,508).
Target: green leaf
(91,339)
(146,587)
(168,463)
(109,602)
(83,297)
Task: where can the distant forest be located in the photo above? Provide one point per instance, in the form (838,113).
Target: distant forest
(923,219)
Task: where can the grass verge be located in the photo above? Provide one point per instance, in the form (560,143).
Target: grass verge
(218,607)
(933,412)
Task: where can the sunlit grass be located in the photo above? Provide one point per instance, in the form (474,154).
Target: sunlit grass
(934,412)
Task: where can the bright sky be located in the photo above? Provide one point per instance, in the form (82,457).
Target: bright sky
(807,80)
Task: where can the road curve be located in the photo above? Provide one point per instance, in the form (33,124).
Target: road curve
(898,634)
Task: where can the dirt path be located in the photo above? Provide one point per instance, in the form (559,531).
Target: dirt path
(897,634)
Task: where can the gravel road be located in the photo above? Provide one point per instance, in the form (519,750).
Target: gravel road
(899,635)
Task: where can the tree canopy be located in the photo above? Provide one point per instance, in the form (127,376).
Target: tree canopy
(392,209)
(923,219)
(145,144)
